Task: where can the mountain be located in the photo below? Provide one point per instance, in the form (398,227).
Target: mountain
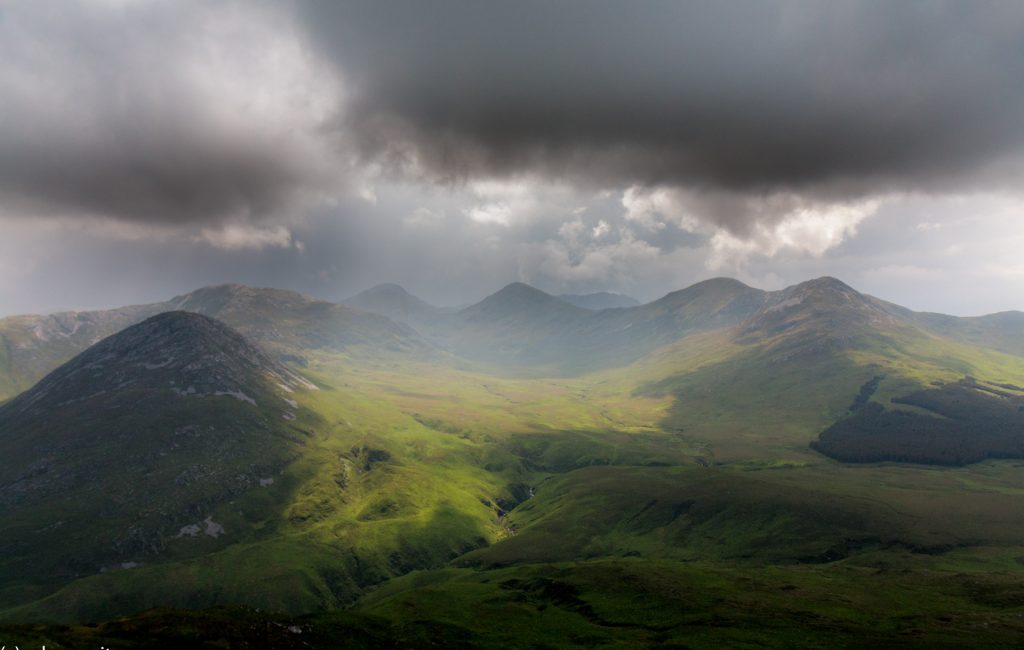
(291,323)
(517,328)
(600,300)
(521,326)
(711,304)
(286,323)
(520,304)
(818,315)
(128,450)
(1000,331)
(177,463)
(876,382)
(32,345)
(396,303)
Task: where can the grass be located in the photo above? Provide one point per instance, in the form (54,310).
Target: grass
(645,603)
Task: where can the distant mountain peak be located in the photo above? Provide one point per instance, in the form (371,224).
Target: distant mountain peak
(517,291)
(520,288)
(721,281)
(824,291)
(826,283)
(388,288)
(820,314)
(387,291)
(519,306)
(520,295)
(174,353)
(599,300)
(722,288)
(394,302)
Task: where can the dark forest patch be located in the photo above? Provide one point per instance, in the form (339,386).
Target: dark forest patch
(972,423)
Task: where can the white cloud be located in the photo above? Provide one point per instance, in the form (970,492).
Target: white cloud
(565,263)
(423,216)
(496,213)
(742,226)
(810,230)
(236,237)
(517,201)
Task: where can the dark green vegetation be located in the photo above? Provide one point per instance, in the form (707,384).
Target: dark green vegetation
(971,422)
(521,473)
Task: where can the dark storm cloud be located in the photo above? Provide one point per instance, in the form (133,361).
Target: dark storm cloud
(149,175)
(169,112)
(188,112)
(833,98)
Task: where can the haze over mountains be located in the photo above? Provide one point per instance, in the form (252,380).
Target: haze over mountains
(599,300)
(517,326)
(520,325)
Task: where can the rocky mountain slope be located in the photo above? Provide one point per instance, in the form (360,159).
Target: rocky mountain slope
(289,323)
(285,323)
(126,450)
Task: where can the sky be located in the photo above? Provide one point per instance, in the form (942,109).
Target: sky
(151,147)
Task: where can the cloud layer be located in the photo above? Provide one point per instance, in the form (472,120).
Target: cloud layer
(580,145)
(168,112)
(829,99)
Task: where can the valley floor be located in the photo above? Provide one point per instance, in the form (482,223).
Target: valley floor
(612,603)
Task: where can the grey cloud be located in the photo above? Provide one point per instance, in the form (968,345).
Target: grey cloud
(169,112)
(821,98)
(195,119)
(158,110)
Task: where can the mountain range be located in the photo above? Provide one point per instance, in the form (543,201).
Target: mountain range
(285,323)
(256,447)
(519,326)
